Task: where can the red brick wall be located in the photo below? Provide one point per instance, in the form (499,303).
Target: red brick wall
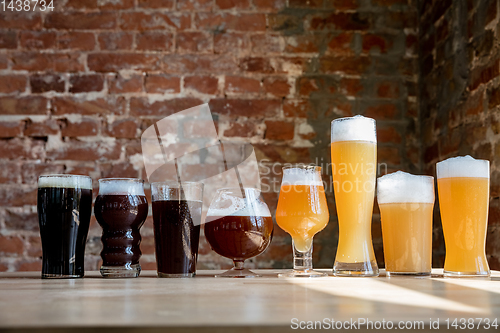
(79,85)
(460,96)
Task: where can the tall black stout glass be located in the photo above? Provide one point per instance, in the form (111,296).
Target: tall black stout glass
(64,207)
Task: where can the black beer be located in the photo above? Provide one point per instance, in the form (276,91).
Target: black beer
(64,208)
(121,209)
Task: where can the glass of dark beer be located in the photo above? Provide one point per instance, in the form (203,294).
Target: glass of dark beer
(176,219)
(238,226)
(121,209)
(64,207)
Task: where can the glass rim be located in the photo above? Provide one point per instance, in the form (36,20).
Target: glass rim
(352,118)
(302,166)
(175,184)
(239,188)
(132,180)
(64,175)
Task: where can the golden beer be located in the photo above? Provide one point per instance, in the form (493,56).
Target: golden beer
(406,202)
(354,158)
(464,191)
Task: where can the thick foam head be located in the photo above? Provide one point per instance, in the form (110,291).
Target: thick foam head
(463,166)
(65,181)
(310,176)
(357,128)
(401,187)
(234,205)
(121,186)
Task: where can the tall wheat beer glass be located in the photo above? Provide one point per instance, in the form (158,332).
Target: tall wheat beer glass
(354,165)
(464,193)
(406,202)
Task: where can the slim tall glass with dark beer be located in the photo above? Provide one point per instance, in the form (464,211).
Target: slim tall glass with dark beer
(121,209)
(64,207)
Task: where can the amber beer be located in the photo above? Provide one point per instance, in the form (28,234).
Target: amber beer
(464,191)
(354,159)
(406,203)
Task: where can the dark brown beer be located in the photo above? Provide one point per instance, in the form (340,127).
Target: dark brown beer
(239,237)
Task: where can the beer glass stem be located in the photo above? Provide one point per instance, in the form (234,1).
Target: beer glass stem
(238,264)
(302,261)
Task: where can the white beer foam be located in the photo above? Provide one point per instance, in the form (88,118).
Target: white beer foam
(357,128)
(121,187)
(463,166)
(401,187)
(249,206)
(66,181)
(299,176)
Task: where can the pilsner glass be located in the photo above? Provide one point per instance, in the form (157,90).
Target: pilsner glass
(121,209)
(354,159)
(406,202)
(302,212)
(64,207)
(464,193)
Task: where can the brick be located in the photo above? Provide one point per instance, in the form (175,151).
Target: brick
(29,266)
(340,44)
(397,20)
(494,97)
(306,3)
(198,128)
(351,86)
(231,22)
(307,85)
(484,75)
(115,41)
(277,86)
(84,127)
(156,21)
(10,129)
(266,43)
(388,135)
(202,84)
(80,21)
(272,5)
(114,62)
(37,62)
(124,128)
(287,24)
(308,43)
(198,63)
(389,155)
(118,170)
(296,108)
(115,5)
(12,83)
(344,4)
(23,20)
(11,245)
(81,5)
(47,82)
(18,196)
(155,41)
(192,5)
(86,83)
(8,40)
(388,89)
(21,219)
(35,40)
(157,83)
(345,65)
(474,105)
(253,108)
(225,43)
(282,154)
(257,64)
(491,12)
(242,130)
(31,171)
(4,61)
(142,107)
(169,4)
(9,172)
(194,42)
(124,84)
(69,105)
(23,105)
(72,40)
(41,128)
(85,151)
(383,111)
(35,246)
(279,130)
(388,3)
(230,4)
(376,42)
(343,21)
(241,85)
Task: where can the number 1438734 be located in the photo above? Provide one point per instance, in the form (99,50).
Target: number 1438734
(26,5)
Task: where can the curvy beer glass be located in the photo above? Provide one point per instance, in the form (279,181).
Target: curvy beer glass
(121,209)
(302,212)
(464,194)
(406,202)
(64,207)
(354,165)
(177,218)
(238,226)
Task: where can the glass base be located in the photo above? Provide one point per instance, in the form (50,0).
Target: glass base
(128,271)
(237,273)
(306,273)
(466,274)
(361,269)
(58,276)
(176,275)
(416,274)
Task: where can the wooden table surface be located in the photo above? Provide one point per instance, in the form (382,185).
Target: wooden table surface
(150,304)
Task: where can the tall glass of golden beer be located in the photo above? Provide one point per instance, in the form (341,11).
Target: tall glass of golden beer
(354,166)
(406,202)
(302,212)
(464,194)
